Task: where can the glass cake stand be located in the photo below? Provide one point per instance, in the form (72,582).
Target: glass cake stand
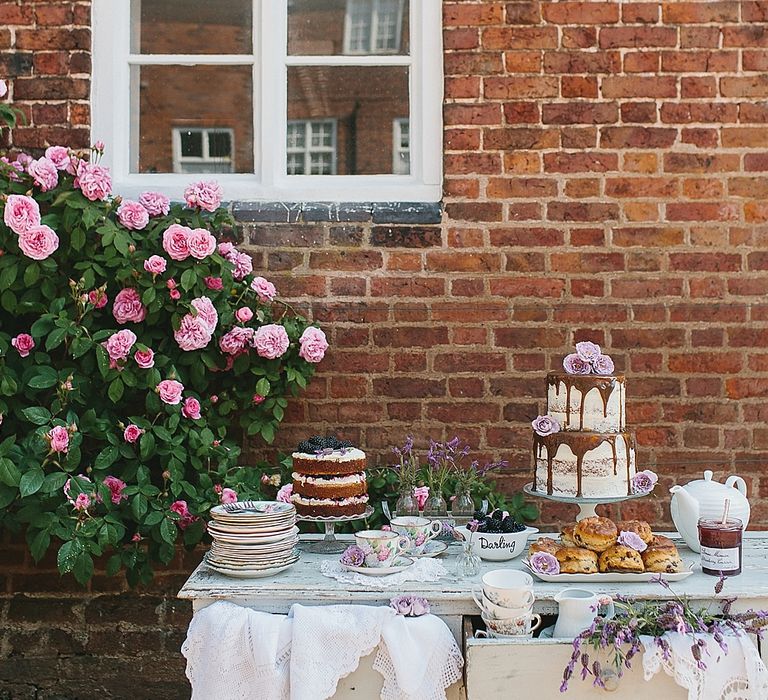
(586,505)
(329,544)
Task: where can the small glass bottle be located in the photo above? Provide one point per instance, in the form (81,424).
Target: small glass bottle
(463,504)
(435,506)
(406,503)
(721,546)
(467,563)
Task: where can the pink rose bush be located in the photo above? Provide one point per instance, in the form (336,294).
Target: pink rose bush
(205,195)
(38,242)
(264,289)
(132,433)
(132,215)
(156,264)
(44,173)
(271,341)
(127,307)
(94,181)
(170,391)
(313,345)
(155,203)
(21,213)
(24,344)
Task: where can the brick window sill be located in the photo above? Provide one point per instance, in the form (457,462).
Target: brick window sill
(317,212)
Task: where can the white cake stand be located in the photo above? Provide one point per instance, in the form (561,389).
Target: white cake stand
(329,544)
(586,505)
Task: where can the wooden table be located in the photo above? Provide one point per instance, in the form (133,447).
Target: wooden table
(493,666)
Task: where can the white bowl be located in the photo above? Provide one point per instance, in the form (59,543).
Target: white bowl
(502,546)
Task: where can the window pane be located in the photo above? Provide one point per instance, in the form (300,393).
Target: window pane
(332,27)
(191,143)
(191,26)
(167,98)
(358,104)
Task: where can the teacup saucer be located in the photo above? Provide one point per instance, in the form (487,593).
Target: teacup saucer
(432,549)
(400,564)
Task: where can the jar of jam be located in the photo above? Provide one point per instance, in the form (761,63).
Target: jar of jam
(720,546)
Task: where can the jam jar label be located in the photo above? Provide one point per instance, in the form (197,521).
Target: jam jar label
(716,559)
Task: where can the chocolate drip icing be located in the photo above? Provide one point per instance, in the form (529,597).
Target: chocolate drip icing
(585,383)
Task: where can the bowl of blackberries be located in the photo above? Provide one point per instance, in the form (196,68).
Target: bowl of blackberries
(497,536)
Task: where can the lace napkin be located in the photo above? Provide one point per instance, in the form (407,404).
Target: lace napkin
(738,675)
(424,570)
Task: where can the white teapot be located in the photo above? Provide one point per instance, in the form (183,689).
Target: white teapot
(705,498)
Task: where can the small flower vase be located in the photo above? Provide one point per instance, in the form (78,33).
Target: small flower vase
(467,563)
(463,505)
(435,507)
(406,503)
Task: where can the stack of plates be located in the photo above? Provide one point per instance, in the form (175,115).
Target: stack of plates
(258,539)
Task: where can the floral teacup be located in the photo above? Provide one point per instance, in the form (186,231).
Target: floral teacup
(420,531)
(381,547)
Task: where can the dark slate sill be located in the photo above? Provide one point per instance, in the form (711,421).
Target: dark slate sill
(316,212)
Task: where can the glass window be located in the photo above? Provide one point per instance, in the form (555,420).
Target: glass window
(401,149)
(311,147)
(202,150)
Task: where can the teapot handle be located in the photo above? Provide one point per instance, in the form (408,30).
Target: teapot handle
(738,483)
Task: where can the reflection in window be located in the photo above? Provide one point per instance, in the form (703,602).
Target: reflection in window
(311,147)
(401,147)
(373,26)
(202,150)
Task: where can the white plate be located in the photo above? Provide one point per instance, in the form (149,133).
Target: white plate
(262,573)
(612,577)
(237,566)
(257,537)
(433,549)
(384,571)
(270,508)
(254,549)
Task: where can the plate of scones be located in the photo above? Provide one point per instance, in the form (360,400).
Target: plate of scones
(599,549)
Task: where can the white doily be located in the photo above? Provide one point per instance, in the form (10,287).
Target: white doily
(423,570)
(738,675)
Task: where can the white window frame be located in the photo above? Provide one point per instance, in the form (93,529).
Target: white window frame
(309,149)
(397,140)
(374,31)
(112,109)
(179,159)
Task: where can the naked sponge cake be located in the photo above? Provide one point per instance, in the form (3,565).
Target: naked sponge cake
(329,478)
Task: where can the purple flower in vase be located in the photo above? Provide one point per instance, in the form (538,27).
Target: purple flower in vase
(575,364)
(353,556)
(644,481)
(545,425)
(544,563)
(587,351)
(632,540)
(603,365)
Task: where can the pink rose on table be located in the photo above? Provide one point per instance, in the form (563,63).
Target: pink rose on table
(193,333)
(59,438)
(44,173)
(94,181)
(243,265)
(313,344)
(545,425)
(214,283)
(205,195)
(201,243)
(155,203)
(644,481)
(243,314)
(587,351)
(603,365)
(574,364)
(132,215)
(145,358)
(234,342)
(421,494)
(206,311)
(24,343)
(59,156)
(544,563)
(156,264)
(21,213)
(285,493)
(115,487)
(632,540)
(191,408)
(98,297)
(264,289)
(228,496)
(175,241)
(127,306)
(271,341)
(170,391)
(118,345)
(132,433)
(82,502)
(38,242)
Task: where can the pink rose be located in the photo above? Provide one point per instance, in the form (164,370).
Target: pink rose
(97,297)
(256,399)
(313,344)
(226,249)
(82,502)
(271,341)
(59,438)
(175,243)
(18,167)
(128,307)
(175,294)
(38,242)
(59,156)
(75,164)
(68,487)
(99,146)
(201,243)
(206,311)
(132,433)
(171,283)
(284,494)
(94,181)
(234,342)
(145,358)
(23,343)
(24,159)
(155,203)
(243,265)
(170,391)
(214,283)
(182,510)
(603,364)
(228,496)
(588,351)
(21,213)
(191,408)
(193,333)
(132,215)
(574,364)
(421,494)
(205,195)
(243,314)
(44,173)
(265,290)
(156,264)
(115,487)
(118,345)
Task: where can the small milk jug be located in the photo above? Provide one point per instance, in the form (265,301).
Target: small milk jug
(578,609)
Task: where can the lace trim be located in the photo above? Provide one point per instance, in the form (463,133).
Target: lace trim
(424,570)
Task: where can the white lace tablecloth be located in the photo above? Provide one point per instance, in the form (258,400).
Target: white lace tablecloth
(424,570)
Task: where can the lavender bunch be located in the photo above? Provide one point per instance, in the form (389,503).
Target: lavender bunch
(448,459)
(407,466)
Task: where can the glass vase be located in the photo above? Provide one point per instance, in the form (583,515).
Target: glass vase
(435,507)
(467,563)
(406,503)
(463,505)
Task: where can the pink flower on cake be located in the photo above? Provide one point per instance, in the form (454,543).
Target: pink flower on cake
(285,493)
(214,283)
(21,213)
(155,203)
(421,494)
(132,433)
(228,496)
(201,243)
(588,351)
(156,264)
(193,333)
(94,181)
(115,487)
(98,297)
(264,289)
(82,502)
(545,425)
(132,215)
(127,306)
(234,342)
(44,173)
(574,364)
(38,242)
(206,311)
(313,344)
(632,540)
(176,241)
(118,345)
(603,365)
(271,341)
(145,358)
(59,156)
(644,481)
(243,314)
(58,436)
(170,391)
(205,195)
(24,343)
(243,265)
(191,408)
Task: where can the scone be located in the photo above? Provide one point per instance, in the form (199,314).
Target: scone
(544,544)
(566,536)
(662,560)
(641,528)
(661,541)
(575,560)
(622,559)
(595,533)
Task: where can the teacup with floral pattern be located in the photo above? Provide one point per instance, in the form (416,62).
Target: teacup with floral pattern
(381,547)
(420,531)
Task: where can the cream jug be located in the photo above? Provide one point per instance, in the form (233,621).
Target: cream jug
(578,609)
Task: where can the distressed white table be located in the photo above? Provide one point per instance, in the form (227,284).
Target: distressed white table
(495,668)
